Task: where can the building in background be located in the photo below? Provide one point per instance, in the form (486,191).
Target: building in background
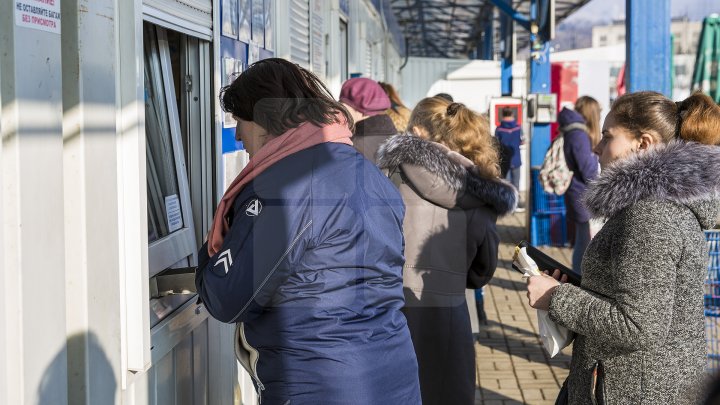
(686,35)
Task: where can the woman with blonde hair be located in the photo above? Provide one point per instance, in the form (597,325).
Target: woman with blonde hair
(581,132)
(447,171)
(398,112)
(638,316)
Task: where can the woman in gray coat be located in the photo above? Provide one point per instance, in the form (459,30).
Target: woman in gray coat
(452,202)
(639,314)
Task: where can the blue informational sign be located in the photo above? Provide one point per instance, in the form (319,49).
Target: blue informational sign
(229,144)
(345,7)
(247,27)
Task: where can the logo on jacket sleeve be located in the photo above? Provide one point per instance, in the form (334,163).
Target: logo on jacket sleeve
(226,259)
(254,208)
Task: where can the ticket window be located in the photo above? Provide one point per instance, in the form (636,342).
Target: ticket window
(178,159)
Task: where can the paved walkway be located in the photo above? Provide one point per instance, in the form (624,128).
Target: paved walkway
(512,366)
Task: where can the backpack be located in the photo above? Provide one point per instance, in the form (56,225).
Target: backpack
(555,176)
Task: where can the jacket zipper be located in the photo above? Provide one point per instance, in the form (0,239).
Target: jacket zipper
(254,356)
(277,264)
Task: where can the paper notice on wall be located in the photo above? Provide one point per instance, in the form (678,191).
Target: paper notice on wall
(173,212)
(43,15)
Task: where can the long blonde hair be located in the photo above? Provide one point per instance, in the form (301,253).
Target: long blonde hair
(589,108)
(460,129)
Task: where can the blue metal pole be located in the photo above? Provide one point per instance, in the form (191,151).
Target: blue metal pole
(506,77)
(506,8)
(648,45)
(506,62)
(540,133)
(540,83)
(488,40)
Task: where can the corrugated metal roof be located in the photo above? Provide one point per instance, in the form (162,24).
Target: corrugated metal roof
(452,28)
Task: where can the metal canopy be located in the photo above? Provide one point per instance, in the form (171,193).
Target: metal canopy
(453,28)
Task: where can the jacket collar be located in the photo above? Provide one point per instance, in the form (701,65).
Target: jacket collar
(456,171)
(685,173)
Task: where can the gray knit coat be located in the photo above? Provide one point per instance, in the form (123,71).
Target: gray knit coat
(640,308)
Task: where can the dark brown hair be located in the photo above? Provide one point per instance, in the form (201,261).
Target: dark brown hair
(696,119)
(460,129)
(507,112)
(279,95)
(589,108)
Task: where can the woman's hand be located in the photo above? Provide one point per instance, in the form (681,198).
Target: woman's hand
(540,289)
(557,275)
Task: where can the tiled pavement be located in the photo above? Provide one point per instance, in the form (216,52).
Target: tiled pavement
(512,367)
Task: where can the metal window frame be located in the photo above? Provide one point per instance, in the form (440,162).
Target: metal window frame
(196,125)
(167,20)
(179,247)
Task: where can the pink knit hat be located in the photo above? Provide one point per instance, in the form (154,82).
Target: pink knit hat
(364,95)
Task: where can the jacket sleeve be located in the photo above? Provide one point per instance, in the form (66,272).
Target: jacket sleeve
(644,265)
(582,154)
(483,234)
(257,255)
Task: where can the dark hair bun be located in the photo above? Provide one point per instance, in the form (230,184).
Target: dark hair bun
(453,108)
(699,119)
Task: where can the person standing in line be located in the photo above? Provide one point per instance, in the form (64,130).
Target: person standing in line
(368,103)
(445,96)
(398,112)
(305,251)
(581,133)
(447,171)
(509,135)
(638,316)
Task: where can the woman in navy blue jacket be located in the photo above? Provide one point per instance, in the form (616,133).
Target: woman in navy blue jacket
(581,131)
(306,251)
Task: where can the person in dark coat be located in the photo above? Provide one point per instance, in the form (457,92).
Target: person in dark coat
(509,133)
(305,251)
(368,103)
(580,129)
(639,315)
(445,96)
(451,240)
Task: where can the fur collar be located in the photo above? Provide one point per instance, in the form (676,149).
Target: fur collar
(685,173)
(455,170)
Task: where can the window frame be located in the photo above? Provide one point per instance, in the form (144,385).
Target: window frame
(177,249)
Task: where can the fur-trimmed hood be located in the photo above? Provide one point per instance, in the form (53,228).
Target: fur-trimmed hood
(685,173)
(457,173)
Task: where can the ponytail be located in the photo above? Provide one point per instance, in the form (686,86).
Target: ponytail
(460,129)
(698,120)
(695,119)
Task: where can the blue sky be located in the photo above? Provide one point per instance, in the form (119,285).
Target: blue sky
(607,10)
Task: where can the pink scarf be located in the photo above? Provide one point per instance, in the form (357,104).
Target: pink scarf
(292,141)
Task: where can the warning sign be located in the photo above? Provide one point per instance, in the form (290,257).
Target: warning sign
(41,15)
